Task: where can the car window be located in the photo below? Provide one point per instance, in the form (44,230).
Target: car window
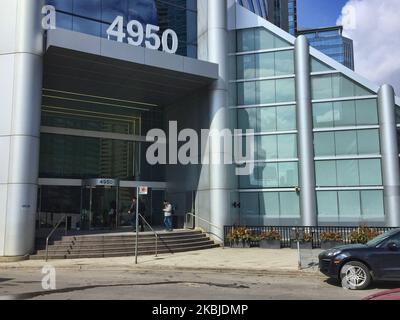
(393,234)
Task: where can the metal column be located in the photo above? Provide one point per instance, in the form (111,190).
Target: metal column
(390,155)
(305,133)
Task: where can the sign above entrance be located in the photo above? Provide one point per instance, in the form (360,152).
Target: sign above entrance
(102,182)
(143,191)
(139,34)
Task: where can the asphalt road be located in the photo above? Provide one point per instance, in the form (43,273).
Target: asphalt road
(187,285)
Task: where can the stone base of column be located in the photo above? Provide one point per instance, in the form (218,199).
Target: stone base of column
(14,259)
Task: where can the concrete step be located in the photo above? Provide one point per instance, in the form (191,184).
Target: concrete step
(124,248)
(121,254)
(122,240)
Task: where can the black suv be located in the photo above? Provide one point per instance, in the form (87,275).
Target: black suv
(359,264)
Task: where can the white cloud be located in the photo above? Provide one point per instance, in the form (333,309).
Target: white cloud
(374,26)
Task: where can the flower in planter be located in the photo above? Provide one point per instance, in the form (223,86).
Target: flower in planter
(270,235)
(363,234)
(331,236)
(239,234)
(307,237)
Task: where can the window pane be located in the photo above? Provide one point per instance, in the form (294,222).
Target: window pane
(246,67)
(247,118)
(321,87)
(324,144)
(346,143)
(286,118)
(325,172)
(269,175)
(268,119)
(285,90)
(323,115)
(246,93)
(267,148)
(318,66)
(263,39)
(368,142)
(344,113)
(248,205)
(266,64)
(367,112)
(347,173)
(349,204)
(327,203)
(245,40)
(266,91)
(287,146)
(250,181)
(284,63)
(288,175)
(269,204)
(289,204)
(342,87)
(372,204)
(370,172)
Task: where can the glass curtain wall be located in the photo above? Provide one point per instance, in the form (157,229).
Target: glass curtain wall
(264,88)
(347,150)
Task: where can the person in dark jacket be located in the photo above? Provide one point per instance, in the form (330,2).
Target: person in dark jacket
(132,211)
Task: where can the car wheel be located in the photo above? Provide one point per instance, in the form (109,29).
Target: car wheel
(355,276)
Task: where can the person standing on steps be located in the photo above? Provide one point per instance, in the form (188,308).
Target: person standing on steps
(167,208)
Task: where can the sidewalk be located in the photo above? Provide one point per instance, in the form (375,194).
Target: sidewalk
(256,260)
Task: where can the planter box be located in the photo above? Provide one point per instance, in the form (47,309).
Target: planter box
(270,244)
(325,245)
(240,244)
(303,245)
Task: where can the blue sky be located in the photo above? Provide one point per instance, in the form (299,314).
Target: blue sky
(319,13)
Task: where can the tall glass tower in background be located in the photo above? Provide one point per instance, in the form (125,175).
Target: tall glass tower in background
(331,41)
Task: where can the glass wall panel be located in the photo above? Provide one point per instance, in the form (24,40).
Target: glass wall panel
(287,146)
(324,144)
(269,175)
(289,204)
(318,66)
(323,115)
(286,118)
(266,91)
(284,63)
(249,206)
(246,67)
(347,173)
(368,142)
(285,90)
(367,112)
(268,119)
(321,87)
(325,173)
(327,203)
(372,203)
(288,174)
(344,113)
(246,93)
(370,172)
(346,143)
(269,204)
(247,118)
(349,204)
(265,64)
(245,40)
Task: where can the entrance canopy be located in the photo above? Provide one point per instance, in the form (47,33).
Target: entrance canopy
(80,63)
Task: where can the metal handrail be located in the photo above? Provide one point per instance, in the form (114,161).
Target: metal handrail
(208,222)
(52,231)
(155,233)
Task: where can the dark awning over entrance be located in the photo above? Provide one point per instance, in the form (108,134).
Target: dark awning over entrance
(80,63)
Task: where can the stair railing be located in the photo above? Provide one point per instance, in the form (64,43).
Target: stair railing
(156,235)
(52,231)
(209,223)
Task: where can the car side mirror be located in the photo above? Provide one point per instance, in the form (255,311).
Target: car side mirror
(393,246)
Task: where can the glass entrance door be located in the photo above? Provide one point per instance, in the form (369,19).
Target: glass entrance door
(96,205)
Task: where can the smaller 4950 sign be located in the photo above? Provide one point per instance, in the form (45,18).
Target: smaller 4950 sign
(137,34)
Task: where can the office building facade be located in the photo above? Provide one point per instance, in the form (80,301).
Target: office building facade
(80,95)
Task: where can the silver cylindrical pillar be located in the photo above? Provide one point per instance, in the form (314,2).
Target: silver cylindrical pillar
(305,133)
(21,78)
(390,155)
(220,177)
